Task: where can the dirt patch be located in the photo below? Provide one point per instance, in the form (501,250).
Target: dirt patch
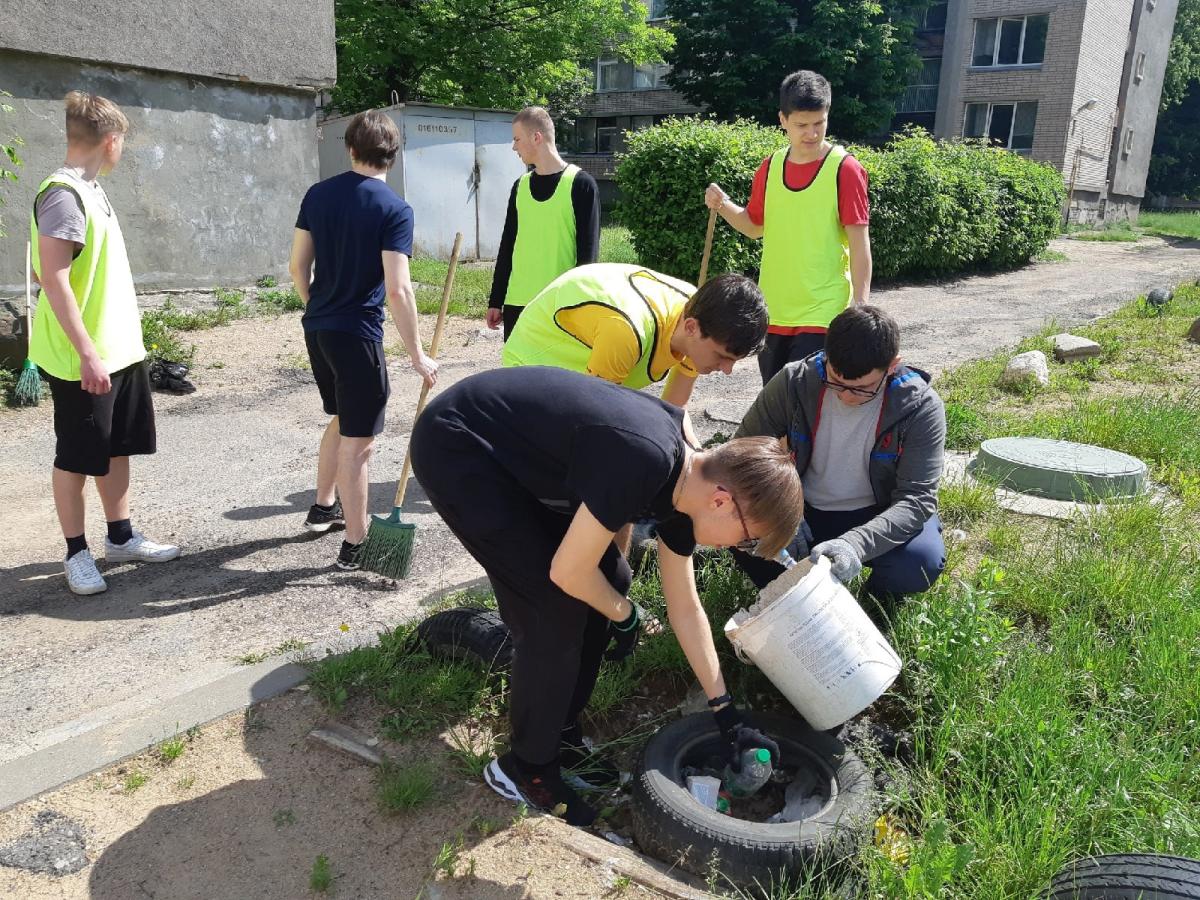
(250,804)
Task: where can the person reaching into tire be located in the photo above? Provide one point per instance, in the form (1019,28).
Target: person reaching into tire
(868,435)
(534,469)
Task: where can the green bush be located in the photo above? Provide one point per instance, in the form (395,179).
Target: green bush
(937,208)
(662,176)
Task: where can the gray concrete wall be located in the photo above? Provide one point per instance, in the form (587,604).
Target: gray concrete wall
(1141,92)
(285,42)
(210,182)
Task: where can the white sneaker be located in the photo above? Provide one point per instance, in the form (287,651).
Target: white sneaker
(82,575)
(139,549)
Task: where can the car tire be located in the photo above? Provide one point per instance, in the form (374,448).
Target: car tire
(1128,876)
(669,824)
(469,634)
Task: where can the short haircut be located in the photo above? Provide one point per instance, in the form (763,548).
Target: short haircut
(91,118)
(535,118)
(860,340)
(804,91)
(731,310)
(762,476)
(373,138)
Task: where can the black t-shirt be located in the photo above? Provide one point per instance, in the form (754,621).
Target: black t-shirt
(570,438)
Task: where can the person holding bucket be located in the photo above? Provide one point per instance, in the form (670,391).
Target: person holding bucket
(868,435)
(538,509)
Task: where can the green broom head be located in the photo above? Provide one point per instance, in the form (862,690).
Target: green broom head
(28,391)
(388,550)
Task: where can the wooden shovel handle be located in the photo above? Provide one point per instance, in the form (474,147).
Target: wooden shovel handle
(406,471)
(28,290)
(708,239)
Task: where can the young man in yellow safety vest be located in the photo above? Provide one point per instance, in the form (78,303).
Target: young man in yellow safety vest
(632,326)
(809,205)
(552,224)
(87,342)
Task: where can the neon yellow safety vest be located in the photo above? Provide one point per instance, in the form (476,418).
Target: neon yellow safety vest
(545,244)
(805,273)
(644,298)
(103,287)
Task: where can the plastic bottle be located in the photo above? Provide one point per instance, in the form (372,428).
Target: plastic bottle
(756,771)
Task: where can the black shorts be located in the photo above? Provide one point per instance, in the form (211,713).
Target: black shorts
(351,375)
(91,429)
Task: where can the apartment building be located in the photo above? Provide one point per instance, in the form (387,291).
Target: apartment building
(1074,83)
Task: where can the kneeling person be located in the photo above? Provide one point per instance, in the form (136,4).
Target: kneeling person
(631,326)
(535,469)
(871,468)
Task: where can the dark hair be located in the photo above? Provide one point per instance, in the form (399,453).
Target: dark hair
(804,91)
(860,340)
(730,309)
(373,138)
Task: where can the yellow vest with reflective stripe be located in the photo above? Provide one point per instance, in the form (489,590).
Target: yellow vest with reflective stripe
(545,245)
(644,298)
(103,287)
(805,272)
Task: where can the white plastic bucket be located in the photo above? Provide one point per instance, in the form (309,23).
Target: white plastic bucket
(816,645)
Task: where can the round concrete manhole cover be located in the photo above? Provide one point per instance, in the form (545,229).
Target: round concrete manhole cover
(1060,470)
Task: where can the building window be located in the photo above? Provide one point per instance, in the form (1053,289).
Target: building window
(1008,125)
(921,96)
(585,135)
(1010,42)
(1139,71)
(1127,144)
(655,10)
(610,133)
(613,74)
(934,18)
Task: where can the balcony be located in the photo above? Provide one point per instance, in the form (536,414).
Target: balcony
(917,98)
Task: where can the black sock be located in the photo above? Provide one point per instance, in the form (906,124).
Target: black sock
(572,735)
(119,531)
(328,508)
(75,544)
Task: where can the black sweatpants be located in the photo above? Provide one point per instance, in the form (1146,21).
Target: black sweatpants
(558,640)
(781,349)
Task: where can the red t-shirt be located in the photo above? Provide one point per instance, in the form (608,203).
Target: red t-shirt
(853,206)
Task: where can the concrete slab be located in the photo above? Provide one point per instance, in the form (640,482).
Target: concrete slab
(1068,347)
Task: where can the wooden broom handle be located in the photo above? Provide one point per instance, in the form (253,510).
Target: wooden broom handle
(28,292)
(708,239)
(406,471)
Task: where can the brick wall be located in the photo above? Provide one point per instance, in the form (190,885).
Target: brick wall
(637,103)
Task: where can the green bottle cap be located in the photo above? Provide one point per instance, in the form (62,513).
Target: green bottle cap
(763,755)
(722,805)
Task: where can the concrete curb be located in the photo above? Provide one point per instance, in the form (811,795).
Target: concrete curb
(45,770)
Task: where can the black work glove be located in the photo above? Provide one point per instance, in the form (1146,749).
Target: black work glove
(742,737)
(624,635)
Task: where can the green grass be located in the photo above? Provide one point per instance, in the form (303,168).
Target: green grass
(133,781)
(1171,224)
(171,749)
(400,789)
(1118,232)
(616,245)
(320,879)
(1051,256)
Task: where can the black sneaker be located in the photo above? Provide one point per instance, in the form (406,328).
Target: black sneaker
(546,791)
(348,557)
(585,769)
(321,519)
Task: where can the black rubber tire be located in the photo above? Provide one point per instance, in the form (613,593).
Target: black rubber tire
(1128,876)
(468,633)
(669,824)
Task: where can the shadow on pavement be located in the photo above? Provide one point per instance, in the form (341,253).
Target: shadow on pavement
(379,500)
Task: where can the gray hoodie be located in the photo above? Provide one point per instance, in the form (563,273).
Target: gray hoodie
(906,461)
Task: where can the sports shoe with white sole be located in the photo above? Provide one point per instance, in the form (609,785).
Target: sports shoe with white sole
(320,520)
(82,575)
(139,548)
(547,791)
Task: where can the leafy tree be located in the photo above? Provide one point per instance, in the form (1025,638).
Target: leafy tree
(731,55)
(9,160)
(492,53)
(1183,60)
(1175,162)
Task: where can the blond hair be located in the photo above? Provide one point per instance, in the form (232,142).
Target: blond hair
(91,118)
(761,475)
(535,118)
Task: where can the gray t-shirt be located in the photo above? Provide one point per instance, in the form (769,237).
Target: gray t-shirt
(60,211)
(838,476)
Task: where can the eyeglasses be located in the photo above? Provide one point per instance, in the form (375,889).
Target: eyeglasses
(749,545)
(855,391)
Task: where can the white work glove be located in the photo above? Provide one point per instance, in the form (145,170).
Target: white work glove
(844,558)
